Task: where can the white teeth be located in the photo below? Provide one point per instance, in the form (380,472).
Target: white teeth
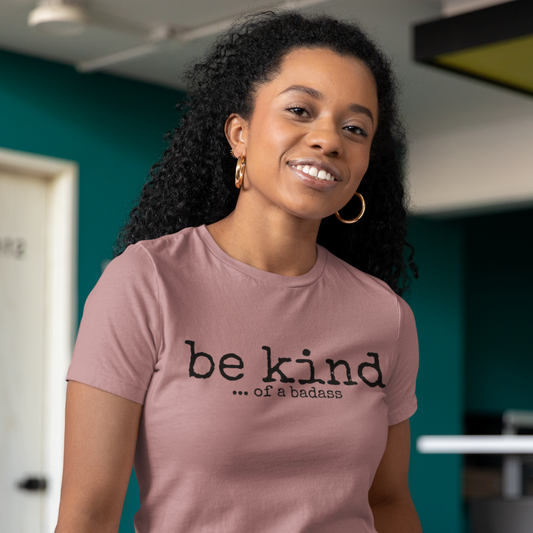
(313,171)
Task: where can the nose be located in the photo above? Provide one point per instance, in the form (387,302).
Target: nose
(326,137)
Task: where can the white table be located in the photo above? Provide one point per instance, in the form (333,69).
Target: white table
(511,446)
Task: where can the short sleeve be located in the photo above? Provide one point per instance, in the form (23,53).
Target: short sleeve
(401,398)
(119,336)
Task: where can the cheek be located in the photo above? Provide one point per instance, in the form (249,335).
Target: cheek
(269,141)
(277,134)
(361,161)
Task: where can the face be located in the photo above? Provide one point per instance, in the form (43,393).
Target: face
(307,143)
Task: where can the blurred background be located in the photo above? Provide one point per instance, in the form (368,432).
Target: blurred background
(87,93)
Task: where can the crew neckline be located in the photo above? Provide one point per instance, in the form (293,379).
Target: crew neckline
(268,277)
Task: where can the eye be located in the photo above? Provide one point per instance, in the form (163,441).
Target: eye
(356,130)
(299,111)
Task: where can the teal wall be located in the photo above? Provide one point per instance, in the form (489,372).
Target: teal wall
(474,313)
(437,300)
(499,312)
(112,127)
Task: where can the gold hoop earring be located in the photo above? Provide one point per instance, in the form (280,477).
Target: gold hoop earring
(358,217)
(239,171)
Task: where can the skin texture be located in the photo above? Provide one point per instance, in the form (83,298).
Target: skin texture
(274,228)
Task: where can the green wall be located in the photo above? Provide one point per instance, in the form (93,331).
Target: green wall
(473,308)
(112,127)
(437,300)
(499,312)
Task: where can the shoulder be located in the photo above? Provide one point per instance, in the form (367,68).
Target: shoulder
(140,267)
(365,290)
(181,241)
(154,253)
(354,279)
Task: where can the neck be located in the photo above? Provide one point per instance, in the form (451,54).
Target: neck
(269,239)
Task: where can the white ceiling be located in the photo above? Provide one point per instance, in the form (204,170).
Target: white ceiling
(432,100)
(165,66)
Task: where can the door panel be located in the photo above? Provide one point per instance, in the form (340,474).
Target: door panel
(23,202)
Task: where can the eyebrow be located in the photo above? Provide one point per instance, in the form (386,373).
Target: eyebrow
(313,93)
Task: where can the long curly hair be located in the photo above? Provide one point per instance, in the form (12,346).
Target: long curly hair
(193,183)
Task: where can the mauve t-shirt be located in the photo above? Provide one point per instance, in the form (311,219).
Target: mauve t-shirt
(267,398)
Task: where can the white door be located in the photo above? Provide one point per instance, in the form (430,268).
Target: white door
(23,219)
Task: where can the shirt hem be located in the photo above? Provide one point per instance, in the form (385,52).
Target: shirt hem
(110,384)
(403,414)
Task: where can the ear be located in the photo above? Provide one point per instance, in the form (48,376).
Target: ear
(236,130)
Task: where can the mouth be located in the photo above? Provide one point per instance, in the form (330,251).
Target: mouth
(313,174)
(316,169)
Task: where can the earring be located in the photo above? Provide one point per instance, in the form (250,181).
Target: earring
(358,217)
(239,171)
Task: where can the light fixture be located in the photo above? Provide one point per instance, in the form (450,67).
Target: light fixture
(59,17)
(70,17)
(494,44)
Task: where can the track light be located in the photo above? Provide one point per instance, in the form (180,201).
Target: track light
(59,17)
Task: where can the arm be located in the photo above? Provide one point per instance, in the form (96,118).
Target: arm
(389,497)
(100,438)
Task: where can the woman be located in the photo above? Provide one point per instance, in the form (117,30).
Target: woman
(262,383)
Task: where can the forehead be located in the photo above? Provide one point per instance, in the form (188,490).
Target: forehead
(326,70)
(321,55)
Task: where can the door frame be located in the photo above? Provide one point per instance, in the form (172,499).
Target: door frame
(61,304)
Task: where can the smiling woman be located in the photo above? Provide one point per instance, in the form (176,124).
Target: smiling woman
(193,184)
(319,128)
(246,349)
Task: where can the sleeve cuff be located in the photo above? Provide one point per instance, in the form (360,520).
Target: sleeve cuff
(109,384)
(399,415)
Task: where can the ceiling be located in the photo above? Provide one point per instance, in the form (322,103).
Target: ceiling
(431,100)
(165,66)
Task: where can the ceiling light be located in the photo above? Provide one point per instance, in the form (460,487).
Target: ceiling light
(58,17)
(494,44)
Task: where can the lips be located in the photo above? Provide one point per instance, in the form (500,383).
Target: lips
(313,182)
(314,168)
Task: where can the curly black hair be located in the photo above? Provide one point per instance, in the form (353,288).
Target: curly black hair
(186,188)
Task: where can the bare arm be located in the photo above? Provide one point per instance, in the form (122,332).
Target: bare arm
(389,496)
(100,438)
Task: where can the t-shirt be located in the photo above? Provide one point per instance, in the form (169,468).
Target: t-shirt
(267,398)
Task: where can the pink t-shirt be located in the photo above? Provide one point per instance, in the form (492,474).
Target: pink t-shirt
(267,398)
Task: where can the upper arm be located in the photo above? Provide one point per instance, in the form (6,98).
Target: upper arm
(100,438)
(391,481)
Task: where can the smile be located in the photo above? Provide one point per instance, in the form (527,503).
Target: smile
(314,177)
(315,172)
